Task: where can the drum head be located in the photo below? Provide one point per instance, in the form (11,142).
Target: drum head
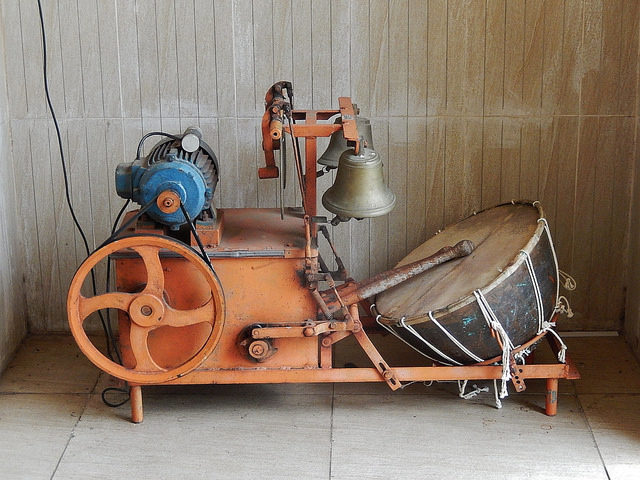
(498,233)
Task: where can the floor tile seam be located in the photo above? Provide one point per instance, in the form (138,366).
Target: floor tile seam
(593,435)
(73,429)
(333,399)
(72,434)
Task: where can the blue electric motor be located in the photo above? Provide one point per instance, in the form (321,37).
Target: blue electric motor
(184,165)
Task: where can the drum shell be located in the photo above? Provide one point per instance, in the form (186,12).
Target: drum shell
(511,297)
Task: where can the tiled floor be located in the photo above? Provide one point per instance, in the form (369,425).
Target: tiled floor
(53,424)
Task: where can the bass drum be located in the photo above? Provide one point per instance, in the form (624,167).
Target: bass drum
(476,308)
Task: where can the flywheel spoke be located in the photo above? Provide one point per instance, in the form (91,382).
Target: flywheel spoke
(155,275)
(88,305)
(144,362)
(183,318)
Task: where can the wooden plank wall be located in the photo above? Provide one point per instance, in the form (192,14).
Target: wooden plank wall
(13,324)
(473,102)
(632,310)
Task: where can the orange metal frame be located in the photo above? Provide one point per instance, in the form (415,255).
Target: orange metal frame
(275,329)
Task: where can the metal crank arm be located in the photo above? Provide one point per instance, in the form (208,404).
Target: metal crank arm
(369,348)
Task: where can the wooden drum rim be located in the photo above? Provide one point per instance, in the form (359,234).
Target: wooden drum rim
(512,266)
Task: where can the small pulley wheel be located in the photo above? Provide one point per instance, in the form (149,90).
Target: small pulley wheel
(147,309)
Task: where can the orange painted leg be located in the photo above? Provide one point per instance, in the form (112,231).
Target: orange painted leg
(551,403)
(137,414)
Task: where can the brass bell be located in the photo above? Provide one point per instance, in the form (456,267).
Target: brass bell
(359,190)
(338,144)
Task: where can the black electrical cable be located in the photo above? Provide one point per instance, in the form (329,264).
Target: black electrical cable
(151,134)
(115,389)
(192,227)
(109,339)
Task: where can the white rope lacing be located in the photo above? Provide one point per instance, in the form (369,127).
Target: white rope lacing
(423,340)
(496,326)
(543,325)
(454,339)
(562,303)
(562,353)
(563,306)
(568,281)
(395,334)
(462,385)
(495,394)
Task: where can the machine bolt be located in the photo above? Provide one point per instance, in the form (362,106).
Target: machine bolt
(260,350)
(308,332)
(387,374)
(326,342)
(146,310)
(333,325)
(257,350)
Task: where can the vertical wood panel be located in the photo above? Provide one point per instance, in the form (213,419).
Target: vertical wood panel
(128,58)
(465,56)
(379,57)
(205,33)
(302,47)
(379,226)
(27,222)
(90,57)
(225,70)
(417,55)
(511,161)
(243,57)
(341,86)
(398,155)
(148,58)
(187,61)
(491,161)
(65,230)
(167,57)
(50,289)
(533,55)
(434,183)
(417,167)
(583,219)
(14,59)
(33,44)
(463,172)
(437,56)
(359,74)
(107,19)
(514,55)
(495,57)
(398,56)
(530,159)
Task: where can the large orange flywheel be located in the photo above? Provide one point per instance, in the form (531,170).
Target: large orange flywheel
(147,310)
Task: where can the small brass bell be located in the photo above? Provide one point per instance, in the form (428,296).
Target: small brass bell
(359,190)
(338,144)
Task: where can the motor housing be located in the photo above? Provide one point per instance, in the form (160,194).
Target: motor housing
(180,165)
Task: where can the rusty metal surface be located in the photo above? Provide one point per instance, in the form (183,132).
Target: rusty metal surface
(331,375)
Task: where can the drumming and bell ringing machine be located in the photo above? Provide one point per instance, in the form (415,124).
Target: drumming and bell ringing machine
(241,295)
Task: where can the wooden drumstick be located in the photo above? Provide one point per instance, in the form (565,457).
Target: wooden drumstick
(352,292)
